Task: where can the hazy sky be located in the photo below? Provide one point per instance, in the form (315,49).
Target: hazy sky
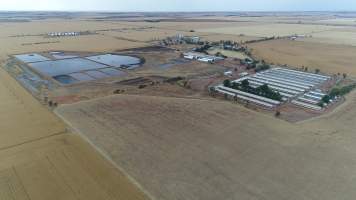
(180,5)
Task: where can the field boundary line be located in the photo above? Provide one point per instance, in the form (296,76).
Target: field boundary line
(34,140)
(104,154)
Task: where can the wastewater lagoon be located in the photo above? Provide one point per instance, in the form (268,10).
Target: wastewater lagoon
(68,70)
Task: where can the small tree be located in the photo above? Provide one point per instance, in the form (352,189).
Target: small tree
(344,75)
(326,99)
(262,67)
(321,104)
(264,88)
(235,98)
(142,86)
(277,114)
(245,84)
(212,91)
(334,92)
(227,83)
(317,71)
(235,85)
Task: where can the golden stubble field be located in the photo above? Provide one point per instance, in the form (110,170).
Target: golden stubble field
(329,58)
(40,159)
(269,30)
(118,35)
(25,37)
(344,36)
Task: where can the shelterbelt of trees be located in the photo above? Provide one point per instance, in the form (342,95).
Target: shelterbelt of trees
(262,90)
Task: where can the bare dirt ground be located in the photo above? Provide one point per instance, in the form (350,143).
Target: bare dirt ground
(331,59)
(199,149)
(40,159)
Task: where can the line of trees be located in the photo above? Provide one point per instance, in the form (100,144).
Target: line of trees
(341,91)
(262,67)
(219,54)
(261,40)
(203,49)
(257,66)
(262,90)
(335,92)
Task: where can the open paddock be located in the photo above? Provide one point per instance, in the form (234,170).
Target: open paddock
(216,37)
(331,59)
(40,159)
(344,36)
(89,43)
(187,25)
(145,35)
(231,54)
(199,149)
(273,17)
(350,21)
(43,27)
(268,30)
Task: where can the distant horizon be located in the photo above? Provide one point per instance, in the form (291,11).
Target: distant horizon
(212,11)
(179,5)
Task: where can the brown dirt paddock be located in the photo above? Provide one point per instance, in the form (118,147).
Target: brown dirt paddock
(198,149)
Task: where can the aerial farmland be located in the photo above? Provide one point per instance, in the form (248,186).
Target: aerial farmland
(192,106)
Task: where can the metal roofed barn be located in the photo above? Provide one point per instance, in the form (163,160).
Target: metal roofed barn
(202,57)
(299,88)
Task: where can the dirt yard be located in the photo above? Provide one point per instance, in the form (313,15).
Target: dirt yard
(198,149)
